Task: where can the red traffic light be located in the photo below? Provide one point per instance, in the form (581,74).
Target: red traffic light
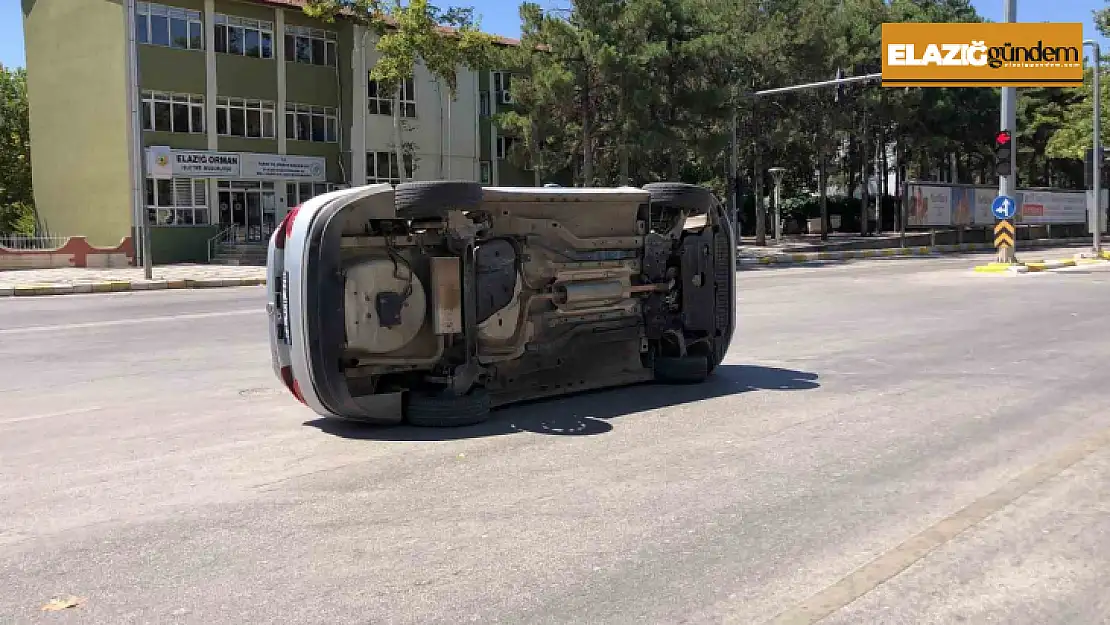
(1002,138)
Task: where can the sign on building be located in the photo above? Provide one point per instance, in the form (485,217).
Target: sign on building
(164,162)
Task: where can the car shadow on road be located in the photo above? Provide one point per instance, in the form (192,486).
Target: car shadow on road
(588,413)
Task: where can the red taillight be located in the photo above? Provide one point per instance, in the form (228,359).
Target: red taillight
(291,383)
(286,227)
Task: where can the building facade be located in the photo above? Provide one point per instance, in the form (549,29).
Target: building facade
(242,109)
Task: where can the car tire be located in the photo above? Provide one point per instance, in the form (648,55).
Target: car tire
(689,197)
(448,410)
(681,369)
(430,200)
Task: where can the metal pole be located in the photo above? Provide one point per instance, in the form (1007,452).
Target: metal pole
(733,164)
(141,219)
(778,209)
(823,83)
(1096,155)
(777,174)
(1008,184)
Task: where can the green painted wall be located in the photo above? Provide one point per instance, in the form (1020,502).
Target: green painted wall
(485,124)
(330,151)
(244,9)
(170,69)
(311,84)
(76,82)
(510,175)
(242,144)
(244,77)
(176,140)
(317,84)
(181,244)
(346,94)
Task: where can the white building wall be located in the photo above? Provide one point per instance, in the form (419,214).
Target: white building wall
(442,133)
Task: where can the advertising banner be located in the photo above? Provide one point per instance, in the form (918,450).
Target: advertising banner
(1052,207)
(963,206)
(929,206)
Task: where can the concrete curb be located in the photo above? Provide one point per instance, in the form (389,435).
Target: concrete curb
(122,286)
(809,257)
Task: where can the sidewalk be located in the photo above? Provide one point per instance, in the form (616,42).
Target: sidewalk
(71,280)
(845,247)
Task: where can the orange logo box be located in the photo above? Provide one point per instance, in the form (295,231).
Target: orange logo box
(983,55)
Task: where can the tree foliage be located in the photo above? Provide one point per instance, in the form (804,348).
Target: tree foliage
(16,201)
(615,91)
(411,33)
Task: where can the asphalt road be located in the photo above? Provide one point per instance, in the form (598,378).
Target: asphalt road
(890,441)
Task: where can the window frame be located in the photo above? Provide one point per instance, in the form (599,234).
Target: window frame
(224,22)
(294,197)
(146,14)
(194,105)
(229,109)
(484,108)
(184,214)
(329,45)
(378,104)
(505,145)
(392,173)
(485,172)
(328,116)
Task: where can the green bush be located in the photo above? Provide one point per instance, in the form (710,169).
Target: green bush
(18,218)
(803,208)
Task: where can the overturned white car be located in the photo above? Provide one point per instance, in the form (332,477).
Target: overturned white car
(433,302)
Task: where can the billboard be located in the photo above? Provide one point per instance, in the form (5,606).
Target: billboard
(929,206)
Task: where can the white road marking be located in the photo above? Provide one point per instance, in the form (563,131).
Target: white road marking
(122,322)
(50,415)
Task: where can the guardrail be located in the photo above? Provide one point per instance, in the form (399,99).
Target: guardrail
(215,240)
(35,242)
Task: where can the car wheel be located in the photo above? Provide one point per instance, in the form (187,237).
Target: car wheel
(448,410)
(681,369)
(430,200)
(689,197)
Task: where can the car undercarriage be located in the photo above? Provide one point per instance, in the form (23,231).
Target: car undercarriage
(440,300)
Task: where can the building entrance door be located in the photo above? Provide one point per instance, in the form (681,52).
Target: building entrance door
(247,210)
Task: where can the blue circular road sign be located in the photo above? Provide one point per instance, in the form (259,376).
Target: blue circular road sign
(1004,207)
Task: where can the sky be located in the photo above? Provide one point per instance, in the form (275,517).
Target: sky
(499,18)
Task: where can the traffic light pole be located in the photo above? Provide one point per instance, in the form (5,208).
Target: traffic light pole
(1096,156)
(1008,122)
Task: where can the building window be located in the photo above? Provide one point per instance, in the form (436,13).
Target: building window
(297,193)
(382,167)
(304,122)
(239,117)
(483,104)
(160,25)
(177,201)
(381,100)
(485,172)
(505,147)
(502,85)
(311,45)
(246,37)
(173,112)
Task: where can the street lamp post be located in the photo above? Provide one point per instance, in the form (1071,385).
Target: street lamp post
(777,173)
(1096,154)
